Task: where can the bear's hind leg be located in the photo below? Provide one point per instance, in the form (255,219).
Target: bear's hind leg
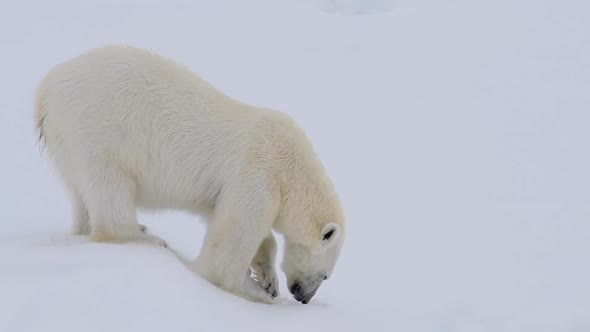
(263,266)
(81,224)
(81,221)
(110,200)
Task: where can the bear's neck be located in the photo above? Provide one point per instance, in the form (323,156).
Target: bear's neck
(308,201)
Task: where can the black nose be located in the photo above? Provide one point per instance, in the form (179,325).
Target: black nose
(295,288)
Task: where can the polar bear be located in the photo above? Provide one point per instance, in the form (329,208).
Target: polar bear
(127,128)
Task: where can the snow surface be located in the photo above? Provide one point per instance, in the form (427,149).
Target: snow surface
(455,131)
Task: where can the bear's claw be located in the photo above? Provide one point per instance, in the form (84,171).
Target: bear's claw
(272,292)
(269,286)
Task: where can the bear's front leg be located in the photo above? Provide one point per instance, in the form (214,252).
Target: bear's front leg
(230,245)
(263,266)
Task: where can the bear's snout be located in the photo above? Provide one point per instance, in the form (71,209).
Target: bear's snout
(295,288)
(301,293)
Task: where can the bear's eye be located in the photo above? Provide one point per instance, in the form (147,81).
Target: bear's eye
(328,235)
(325,277)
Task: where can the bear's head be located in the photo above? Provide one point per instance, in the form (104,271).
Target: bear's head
(307,265)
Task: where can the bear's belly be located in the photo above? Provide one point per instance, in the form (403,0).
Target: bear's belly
(195,198)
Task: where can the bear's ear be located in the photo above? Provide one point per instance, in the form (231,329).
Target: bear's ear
(330,233)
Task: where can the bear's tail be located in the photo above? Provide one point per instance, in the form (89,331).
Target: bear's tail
(41,110)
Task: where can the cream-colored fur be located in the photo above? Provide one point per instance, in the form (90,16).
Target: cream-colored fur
(130,129)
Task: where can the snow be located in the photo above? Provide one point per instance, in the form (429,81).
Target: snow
(456,133)
(353,7)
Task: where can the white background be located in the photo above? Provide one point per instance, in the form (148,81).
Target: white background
(456,132)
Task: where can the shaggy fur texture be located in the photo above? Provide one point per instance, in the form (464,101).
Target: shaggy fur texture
(127,128)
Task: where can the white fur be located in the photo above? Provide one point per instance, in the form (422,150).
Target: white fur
(130,129)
